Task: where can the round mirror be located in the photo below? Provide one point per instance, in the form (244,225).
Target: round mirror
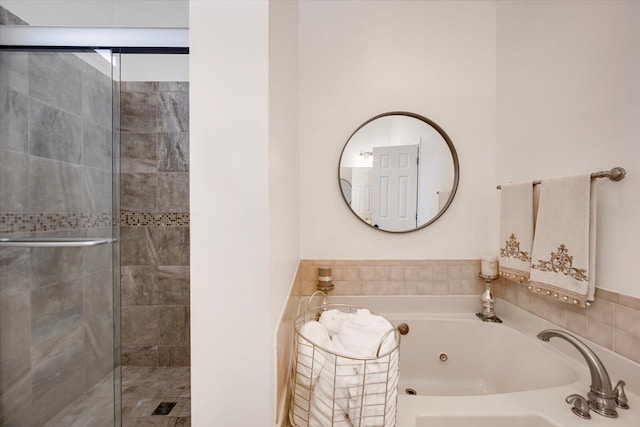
(398,172)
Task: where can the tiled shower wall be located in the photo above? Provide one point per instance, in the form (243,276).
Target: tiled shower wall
(56,304)
(155,223)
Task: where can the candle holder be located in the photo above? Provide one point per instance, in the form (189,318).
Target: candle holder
(488,314)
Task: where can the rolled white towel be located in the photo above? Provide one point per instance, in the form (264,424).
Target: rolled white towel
(301,405)
(362,333)
(342,373)
(311,358)
(332,320)
(309,362)
(327,402)
(330,400)
(369,394)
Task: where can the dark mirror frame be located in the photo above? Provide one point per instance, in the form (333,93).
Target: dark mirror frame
(454,156)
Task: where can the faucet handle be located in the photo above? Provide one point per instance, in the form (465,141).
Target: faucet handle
(580,406)
(620,395)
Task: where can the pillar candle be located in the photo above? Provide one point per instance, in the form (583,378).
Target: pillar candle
(489,265)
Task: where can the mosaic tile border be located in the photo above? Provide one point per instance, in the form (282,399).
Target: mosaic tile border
(29,222)
(144,219)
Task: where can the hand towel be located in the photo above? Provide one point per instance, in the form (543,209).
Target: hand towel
(563,258)
(516,230)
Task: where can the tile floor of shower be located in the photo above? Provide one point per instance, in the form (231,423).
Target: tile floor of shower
(143,389)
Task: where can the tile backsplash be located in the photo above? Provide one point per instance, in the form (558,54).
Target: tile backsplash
(612,320)
(393,277)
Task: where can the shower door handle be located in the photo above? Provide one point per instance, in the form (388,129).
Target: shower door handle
(69,242)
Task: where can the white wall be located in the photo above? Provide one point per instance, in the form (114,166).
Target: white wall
(359,59)
(569,103)
(232,340)
(284,163)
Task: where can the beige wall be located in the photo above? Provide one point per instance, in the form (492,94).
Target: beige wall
(284,163)
(568,102)
(359,59)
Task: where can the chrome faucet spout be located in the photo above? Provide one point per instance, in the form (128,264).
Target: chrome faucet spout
(600,380)
(601,396)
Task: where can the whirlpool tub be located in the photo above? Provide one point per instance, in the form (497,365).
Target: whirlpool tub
(456,370)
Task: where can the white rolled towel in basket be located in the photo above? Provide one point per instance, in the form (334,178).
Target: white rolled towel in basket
(330,400)
(332,320)
(367,335)
(310,360)
(351,383)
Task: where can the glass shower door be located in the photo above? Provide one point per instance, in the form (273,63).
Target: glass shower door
(59,256)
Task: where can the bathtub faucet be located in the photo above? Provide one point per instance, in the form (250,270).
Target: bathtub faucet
(602,399)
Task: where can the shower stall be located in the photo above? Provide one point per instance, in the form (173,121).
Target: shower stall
(60,222)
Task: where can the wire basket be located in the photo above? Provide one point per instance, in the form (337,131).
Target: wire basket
(332,389)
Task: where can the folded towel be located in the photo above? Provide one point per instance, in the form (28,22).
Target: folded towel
(563,258)
(332,320)
(516,230)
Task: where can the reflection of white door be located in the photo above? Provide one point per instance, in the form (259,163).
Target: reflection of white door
(395,187)
(361,192)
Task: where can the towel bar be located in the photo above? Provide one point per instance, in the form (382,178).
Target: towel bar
(54,242)
(615,174)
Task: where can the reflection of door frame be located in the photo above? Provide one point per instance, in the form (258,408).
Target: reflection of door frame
(394,204)
(361,192)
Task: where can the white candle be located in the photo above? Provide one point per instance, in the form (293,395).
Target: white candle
(489,265)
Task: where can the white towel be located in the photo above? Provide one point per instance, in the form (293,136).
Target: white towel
(311,358)
(361,336)
(563,258)
(516,230)
(309,363)
(374,392)
(349,389)
(332,320)
(330,400)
